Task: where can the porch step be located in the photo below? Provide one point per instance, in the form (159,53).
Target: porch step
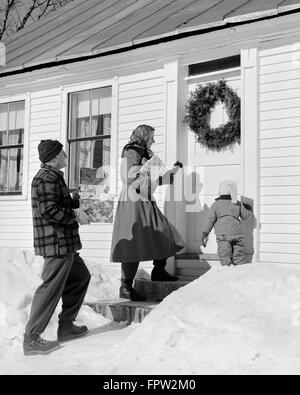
(158,290)
(196,264)
(121,310)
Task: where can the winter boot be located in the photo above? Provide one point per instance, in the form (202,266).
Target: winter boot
(35,345)
(69,331)
(159,272)
(128,292)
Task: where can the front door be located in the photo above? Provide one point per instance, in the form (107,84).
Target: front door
(207,169)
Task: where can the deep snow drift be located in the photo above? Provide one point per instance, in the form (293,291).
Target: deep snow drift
(243,320)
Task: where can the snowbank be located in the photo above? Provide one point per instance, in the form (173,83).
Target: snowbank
(241,320)
(21,275)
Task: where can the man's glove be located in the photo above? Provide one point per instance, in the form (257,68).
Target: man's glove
(76,195)
(81,217)
(204,239)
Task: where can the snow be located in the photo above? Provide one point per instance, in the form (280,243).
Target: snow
(238,320)
(242,320)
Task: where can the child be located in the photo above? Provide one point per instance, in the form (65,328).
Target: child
(225,216)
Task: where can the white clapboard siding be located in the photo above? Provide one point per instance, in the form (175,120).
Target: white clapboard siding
(280,181)
(142,101)
(280,142)
(279,155)
(281,209)
(280,258)
(292,161)
(285,239)
(286,94)
(281,248)
(280,219)
(279,200)
(45,122)
(279,133)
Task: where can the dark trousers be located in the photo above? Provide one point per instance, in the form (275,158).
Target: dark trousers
(65,277)
(231,250)
(129,270)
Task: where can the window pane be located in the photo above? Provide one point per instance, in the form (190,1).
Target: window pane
(3,123)
(16,116)
(101,111)
(15,170)
(3,138)
(91,113)
(88,158)
(16,137)
(101,125)
(3,170)
(80,115)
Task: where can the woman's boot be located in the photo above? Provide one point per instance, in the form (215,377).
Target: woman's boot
(128,292)
(159,272)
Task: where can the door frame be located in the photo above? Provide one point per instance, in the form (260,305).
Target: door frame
(249,134)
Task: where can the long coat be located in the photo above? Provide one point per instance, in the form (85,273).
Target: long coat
(54,225)
(141,231)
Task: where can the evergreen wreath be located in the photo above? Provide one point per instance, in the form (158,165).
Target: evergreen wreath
(198,111)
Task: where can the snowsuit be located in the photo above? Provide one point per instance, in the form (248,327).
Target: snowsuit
(225,216)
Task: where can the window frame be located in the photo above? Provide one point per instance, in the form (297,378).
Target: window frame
(77,88)
(24,194)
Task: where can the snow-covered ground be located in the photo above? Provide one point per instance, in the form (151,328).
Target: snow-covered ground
(243,320)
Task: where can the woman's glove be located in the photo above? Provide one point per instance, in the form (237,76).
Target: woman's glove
(179,164)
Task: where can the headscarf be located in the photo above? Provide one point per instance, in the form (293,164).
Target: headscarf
(138,141)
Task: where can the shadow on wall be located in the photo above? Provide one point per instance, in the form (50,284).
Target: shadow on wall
(146,243)
(184,198)
(248,226)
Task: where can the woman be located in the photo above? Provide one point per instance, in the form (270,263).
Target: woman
(141,232)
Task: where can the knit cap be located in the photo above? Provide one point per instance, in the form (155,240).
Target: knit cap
(48,149)
(229,188)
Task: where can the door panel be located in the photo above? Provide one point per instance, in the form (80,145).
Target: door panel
(206,170)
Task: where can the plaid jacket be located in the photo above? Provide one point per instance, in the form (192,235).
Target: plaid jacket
(54,227)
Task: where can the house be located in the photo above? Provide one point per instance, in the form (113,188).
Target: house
(91,72)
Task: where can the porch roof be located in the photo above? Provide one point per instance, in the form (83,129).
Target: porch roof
(87,28)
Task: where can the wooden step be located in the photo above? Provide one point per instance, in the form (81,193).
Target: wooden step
(158,290)
(196,264)
(122,310)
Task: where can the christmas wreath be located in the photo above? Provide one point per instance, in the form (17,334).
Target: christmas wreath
(198,114)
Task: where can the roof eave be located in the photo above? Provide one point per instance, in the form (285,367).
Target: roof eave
(251,17)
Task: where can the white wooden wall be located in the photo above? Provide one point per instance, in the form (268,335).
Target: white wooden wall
(280,154)
(142,101)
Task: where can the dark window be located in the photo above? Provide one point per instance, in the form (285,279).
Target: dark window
(11,147)
(215,65)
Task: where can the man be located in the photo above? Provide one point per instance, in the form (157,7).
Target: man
(55,223)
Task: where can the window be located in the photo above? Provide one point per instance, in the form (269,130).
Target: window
(89,136)
(11,147)
(215,65)
(89,140)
